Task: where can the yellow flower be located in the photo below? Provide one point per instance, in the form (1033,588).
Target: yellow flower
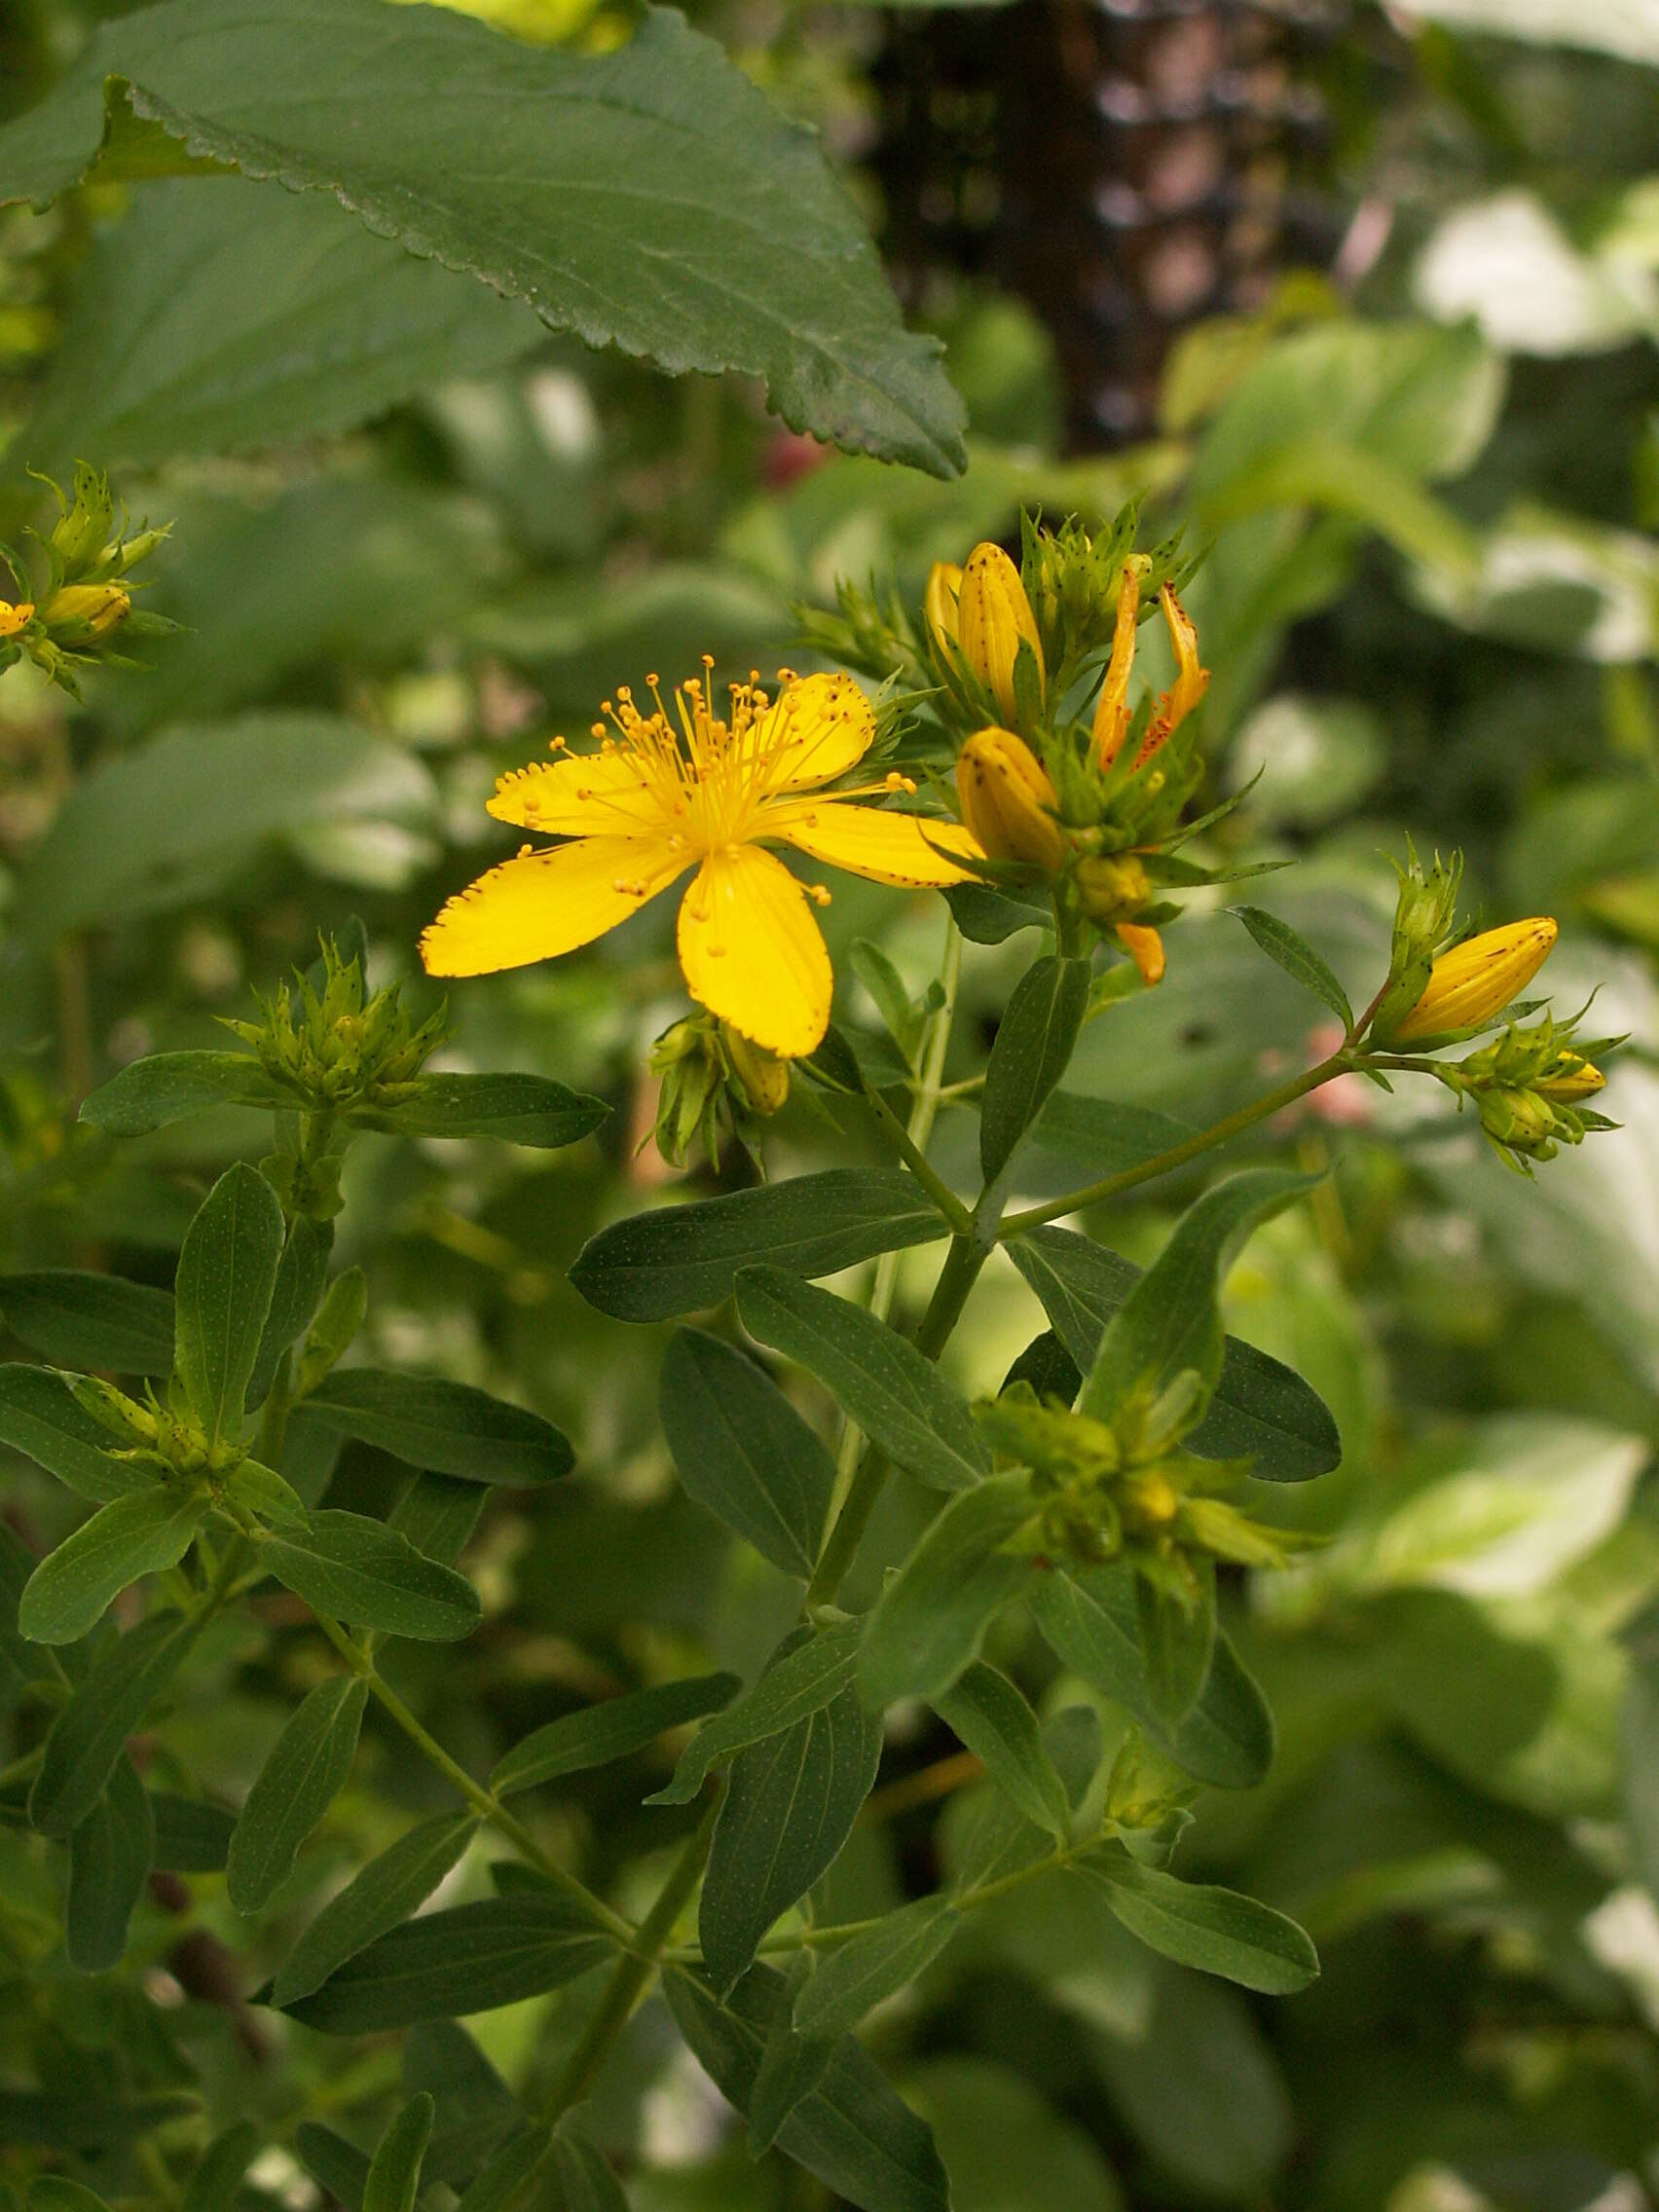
(657,799)
(1145,947)
(1475,980)
(15,618)
(1191,680)
(993,617)
(1573,1079)
(1008,800)
(940,602)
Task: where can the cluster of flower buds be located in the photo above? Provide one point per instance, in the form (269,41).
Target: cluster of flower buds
(1126,1492)
(69,614)
(1531,1087)
(339,1048)
(715,1085)
(1091,808)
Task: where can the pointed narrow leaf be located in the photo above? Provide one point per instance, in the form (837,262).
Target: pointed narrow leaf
(438,1514)
(227,1274)
(513,1109)
(1262,1410)
(193,1835)
(611,1730)
(871,1967)
(86,1737)
(469,1959)
(1299,960)
(586,2182)
(932,1616)
(791,2068)
(448,1427)
(368,1574)
(394,2171)
(685,1258)
(743,1451)
(39,1417)
(170,1086)
(139,1534)
(1032,1049)
(789,1804)
(990,1716)
(1215,1930)
(508,2170)
(300,1780)
(1089,1619)
(1177,1644)
(803,1679)
(339,2168)
(878,1378)
(377,1900)
(77,1319)
(300,1278)
(853,2131)
(213,2185)
(109,1861)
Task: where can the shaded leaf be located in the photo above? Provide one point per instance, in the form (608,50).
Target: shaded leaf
(362,1572)
(607,1731)
(39,1417)
(394,2171)
(990,1716)
(86,1737)
(932,1616)
(227,1275)
(513,1109)
(78,1320)
(1033,1047)
(377,1899)
(743,1451)
(300,1780)
(165,1088)
(1198,1925)
(142,1534)
(801,1680)
(1299,960)
(448,1427)
(109,1858)
(873,1966)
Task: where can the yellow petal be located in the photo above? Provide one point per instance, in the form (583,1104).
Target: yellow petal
(543,904)
(582,794)
(753,953)
(1145,947)
(815,730)
(1475,980)
(906,849)
(993,619)
(1009,801)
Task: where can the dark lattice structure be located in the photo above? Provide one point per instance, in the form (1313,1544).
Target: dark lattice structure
(1127,166)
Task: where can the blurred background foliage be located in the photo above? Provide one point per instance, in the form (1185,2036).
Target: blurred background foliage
(1371,304)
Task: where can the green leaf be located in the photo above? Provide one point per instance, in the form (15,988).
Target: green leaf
(56,2192)
(990,1716)
(339,2168)
(165,1088)
(1032,1049)
(513,1109)
(791,2067)
(236,319)
(77,1319)
(1169,1323)
(683,1259)
(379,1898)
(267,1494)
(1177,1642)
(586,2182)
(350,1566)
(86,1737)
(109,1861)
(469,1959)
(930,1618)
(661,149)
(39,1417)
(789,1804)
(506,2171)
(613,1730)
(122,844)
(801,1680)
(905,1020)
(304,1774)
(193,1836)
(448,1427)
(437,1514)
(877,1377)
(394,2171)
(743,1451)
(853,2131)
(143,1534)
(1262,1410)
(300,1278)
(1215,1930)
(1092,1137)
(227,1275)
(213,2185)
(1299,960)
(1090,1620)
(873,1966)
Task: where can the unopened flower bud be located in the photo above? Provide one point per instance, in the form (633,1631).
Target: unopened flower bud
(763,1076)
(1574,1079)
(15,618)
(79,534)
(1520,1121)
(1145,947)
(940,602)
(994,618)
(1113,886)
(1472,984)
(82,611)
(1008,801)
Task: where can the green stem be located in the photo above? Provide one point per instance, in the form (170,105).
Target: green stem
(916,1160)
(484,1802)
(1178,1156)
(632,1974)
